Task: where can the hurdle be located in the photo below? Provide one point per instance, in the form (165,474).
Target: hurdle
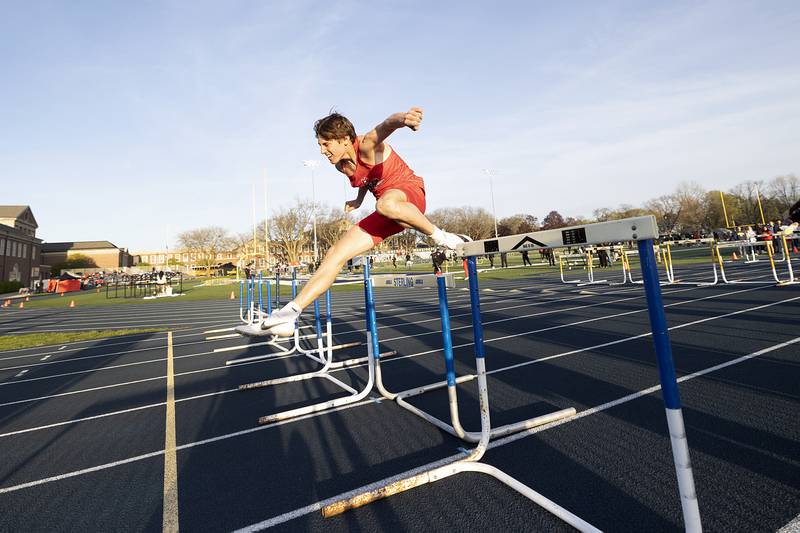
(641,229)
(669,266)
(587,256)
(327,360)
(787,258)
(320,355)
(373,355)
(455,428)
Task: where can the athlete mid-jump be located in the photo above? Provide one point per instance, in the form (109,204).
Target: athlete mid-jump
(371,165)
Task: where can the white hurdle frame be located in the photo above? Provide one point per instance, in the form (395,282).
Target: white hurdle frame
(589,269)
(322,354)
(787,258)
(641,229)
(373,355)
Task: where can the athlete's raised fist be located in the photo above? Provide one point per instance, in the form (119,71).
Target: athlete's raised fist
(413,118)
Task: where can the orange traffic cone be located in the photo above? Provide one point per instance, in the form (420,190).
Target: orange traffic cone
(22,305)
(72,303)
(232,297)
(794,249)
(734,257)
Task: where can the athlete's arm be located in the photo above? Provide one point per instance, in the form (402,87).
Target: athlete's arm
(352,205)
(373,140)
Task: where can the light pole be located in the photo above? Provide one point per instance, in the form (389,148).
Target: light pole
(310,163)
(488,172)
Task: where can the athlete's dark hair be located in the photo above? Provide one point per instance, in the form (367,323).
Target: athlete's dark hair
(334,126)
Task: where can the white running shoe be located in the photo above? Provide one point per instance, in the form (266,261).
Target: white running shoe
(252,330)
(282,322)
(451,240)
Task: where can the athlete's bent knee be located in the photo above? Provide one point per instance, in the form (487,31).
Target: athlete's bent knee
(387,207)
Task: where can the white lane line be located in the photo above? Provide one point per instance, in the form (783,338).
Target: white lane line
(497,370)
(158,338)
(315,507)
(534,304)
(129,460)
(22,373)
(426,352)
(45,358)
(61,348)
(401,337)
(792,527)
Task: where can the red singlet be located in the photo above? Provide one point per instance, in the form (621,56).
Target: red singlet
(391,174)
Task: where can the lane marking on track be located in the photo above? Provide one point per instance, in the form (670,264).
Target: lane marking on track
(170,517)
(426,352)
(357,331)
(315,507)
(319,505)
(23,372)
(142,457)
(61,348)
(792,527)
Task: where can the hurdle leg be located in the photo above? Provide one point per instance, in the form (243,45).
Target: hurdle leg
(669,388)
(373,353)
(470,462)
(455,428)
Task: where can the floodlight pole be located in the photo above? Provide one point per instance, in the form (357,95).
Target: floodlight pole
(266,224)
(310,163)
(488,172)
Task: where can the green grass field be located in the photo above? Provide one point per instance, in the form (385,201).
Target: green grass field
(32,340)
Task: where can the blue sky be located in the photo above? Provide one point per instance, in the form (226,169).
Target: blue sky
(133,121)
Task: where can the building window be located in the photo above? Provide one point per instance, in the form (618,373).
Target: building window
(33,253)
(2,247)
(24,251)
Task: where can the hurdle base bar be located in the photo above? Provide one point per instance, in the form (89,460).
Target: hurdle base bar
(307,375)
(446,471)
(289,352)
(473,436)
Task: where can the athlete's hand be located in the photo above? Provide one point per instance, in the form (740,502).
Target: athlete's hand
(413,118)
(351,205)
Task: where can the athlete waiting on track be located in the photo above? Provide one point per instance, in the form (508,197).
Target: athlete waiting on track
(371,165)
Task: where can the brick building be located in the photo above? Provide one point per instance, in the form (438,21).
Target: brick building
(105,254)
(20,250)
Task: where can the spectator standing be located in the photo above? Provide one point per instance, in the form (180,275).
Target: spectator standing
(525,259)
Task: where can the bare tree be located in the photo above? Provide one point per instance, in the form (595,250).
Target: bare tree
(331,225)
(206,243)
(290,229)
(667,210)
(783,192)
(475,222)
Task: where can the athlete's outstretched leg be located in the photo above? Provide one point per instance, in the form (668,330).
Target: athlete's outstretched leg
(281,322)
(396,205)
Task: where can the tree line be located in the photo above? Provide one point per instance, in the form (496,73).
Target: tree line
(687,210)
